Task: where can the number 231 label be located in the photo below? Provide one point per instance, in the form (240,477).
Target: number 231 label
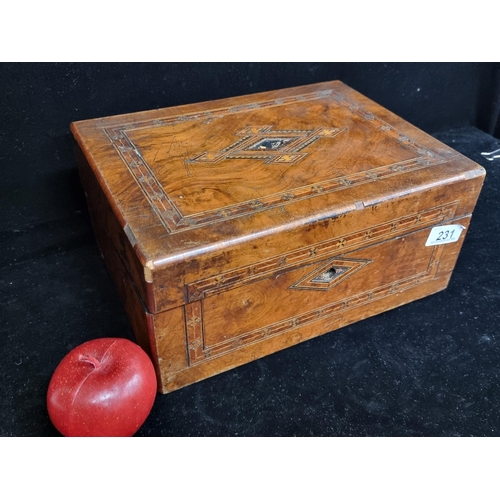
(444,234)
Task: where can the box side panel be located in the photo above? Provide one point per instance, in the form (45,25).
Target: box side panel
(107,226)
(140,319)
(162,335)
(102,221)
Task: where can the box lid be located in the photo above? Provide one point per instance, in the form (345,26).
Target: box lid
(192,184)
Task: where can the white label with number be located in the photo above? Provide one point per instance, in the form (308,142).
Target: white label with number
(444,234)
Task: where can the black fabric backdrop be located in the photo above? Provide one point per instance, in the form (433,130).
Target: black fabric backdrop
(430,368)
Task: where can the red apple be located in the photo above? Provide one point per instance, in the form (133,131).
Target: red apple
(105,387)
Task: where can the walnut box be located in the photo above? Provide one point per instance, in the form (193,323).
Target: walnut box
(239,227)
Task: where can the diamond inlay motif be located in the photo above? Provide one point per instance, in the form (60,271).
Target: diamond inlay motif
(330,274)
(272,146)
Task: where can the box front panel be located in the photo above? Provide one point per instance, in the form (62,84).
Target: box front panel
(325,287)
(353,284)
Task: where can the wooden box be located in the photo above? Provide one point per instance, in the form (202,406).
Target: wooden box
(239,227)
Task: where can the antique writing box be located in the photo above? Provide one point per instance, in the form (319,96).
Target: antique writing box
(239,227)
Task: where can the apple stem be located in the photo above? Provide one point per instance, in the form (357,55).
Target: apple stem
(90,359)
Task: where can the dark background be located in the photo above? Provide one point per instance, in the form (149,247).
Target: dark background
(430,368)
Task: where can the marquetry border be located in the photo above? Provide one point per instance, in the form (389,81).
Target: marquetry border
(327,249)
(198,352)
(174,221)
